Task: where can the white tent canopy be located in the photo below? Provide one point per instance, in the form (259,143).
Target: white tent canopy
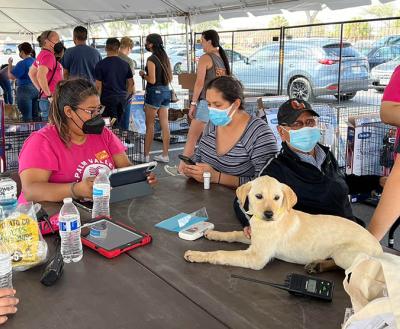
(35,16)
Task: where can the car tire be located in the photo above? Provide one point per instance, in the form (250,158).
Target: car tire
(380,90)
(346,97)
(301,88)
(8,51)
(178,68)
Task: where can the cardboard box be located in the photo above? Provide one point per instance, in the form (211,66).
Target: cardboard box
(364,141)
(11,112)
(187,80)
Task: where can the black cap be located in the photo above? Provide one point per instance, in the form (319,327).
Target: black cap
(292,109)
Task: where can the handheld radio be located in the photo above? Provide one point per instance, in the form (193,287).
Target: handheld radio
(300,285)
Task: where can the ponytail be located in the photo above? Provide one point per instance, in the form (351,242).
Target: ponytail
(224,58)
(159,51)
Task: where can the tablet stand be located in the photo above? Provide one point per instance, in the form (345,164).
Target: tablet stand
(130,191)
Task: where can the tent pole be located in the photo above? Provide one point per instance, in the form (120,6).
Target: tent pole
(187,25)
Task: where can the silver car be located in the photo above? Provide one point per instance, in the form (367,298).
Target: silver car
(310,69)
(382,73)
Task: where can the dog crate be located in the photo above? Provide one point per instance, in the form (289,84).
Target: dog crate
(134,143)
(179,123)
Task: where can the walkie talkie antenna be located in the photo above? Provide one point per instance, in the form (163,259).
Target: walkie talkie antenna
(279,286)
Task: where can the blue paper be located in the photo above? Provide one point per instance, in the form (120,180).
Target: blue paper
(180,222)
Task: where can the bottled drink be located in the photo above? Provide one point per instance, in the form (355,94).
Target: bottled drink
(101,195)
(5,271)
(70,232)
(8,196)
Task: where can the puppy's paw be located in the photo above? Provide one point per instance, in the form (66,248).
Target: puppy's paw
(213,235)
(195,256)
(313,267)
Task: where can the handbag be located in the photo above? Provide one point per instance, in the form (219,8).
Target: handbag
(174,97)
(374,289)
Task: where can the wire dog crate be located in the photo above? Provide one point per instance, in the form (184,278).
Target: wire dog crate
(134,142)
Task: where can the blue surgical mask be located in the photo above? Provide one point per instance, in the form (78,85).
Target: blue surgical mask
(220,117)
(304,139)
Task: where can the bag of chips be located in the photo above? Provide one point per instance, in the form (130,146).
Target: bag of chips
(21,238)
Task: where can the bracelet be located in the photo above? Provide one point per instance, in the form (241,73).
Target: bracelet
(74,196)
(219,177)
(193,103)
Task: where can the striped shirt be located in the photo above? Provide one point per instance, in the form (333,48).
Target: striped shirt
(246,159)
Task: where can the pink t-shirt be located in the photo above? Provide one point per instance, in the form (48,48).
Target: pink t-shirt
(47,58)
(44,149)
(392,93)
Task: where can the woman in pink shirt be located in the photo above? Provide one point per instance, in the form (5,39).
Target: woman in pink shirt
(388,209)
(62,159)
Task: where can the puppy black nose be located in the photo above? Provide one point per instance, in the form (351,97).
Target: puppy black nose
(268,214)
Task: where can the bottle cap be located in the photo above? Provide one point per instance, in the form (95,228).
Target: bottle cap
(67,200)
(206,174)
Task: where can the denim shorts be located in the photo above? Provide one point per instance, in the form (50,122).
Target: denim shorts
(158,97)
(202,111)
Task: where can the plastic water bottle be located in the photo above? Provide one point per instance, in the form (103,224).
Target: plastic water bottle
(8,197)
(101,195)
(70,232)
(5,271)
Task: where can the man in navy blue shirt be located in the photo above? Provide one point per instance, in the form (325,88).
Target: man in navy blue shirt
(80,61)
(114,81)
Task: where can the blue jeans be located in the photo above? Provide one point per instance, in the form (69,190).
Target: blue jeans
(6,86)
(126,115)
(157,97)
(27,96)
(44,107)
(202,111)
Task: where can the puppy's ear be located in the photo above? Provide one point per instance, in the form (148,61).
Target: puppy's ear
(290,197)
(242,192)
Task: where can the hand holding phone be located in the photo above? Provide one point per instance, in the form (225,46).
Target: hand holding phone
(186,160)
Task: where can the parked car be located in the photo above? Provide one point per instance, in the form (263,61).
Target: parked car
(382,73)
(10,48)
(364,46)
(382,55)
(310,69)
(179,59)
(387,41)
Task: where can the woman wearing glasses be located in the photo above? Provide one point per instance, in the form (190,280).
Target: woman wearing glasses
(62,159)
(310,168)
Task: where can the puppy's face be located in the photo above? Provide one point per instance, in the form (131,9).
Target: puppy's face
(268,199)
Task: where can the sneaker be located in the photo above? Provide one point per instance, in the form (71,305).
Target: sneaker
(161,158)
(172,170)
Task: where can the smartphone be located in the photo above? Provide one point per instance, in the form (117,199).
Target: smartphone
(186,159)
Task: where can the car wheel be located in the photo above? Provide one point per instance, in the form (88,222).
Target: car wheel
(346,97)
(380,90)
(300,88)
(8,51)
(178,68)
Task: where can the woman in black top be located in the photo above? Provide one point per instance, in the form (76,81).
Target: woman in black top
(158,75)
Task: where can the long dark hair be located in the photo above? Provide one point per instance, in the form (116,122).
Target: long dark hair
(212,35)
(159,51)
(71,93)
(230,88)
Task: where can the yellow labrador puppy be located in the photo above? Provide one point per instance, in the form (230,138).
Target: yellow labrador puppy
(318,241)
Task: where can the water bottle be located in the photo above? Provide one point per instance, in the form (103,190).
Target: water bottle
(101,195)
(8,197)
(70,232)
(5,270)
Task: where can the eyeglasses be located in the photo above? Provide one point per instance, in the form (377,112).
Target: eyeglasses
(93,111)
(312,122)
